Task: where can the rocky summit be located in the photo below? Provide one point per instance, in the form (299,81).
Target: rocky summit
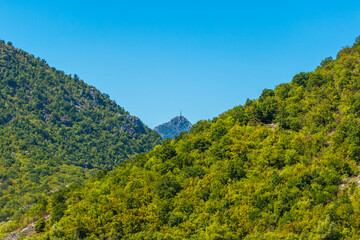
(174,127)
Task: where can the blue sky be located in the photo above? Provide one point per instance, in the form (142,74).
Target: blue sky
(155,58)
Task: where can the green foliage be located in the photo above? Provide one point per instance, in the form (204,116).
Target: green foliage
(326,230)
(301,79)
(265,94)
(167,187)
(284,166)
(326,61)
(56,130)
(40,225)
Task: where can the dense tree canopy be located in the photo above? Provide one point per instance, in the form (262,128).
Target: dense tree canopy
(56,130)
(284,166)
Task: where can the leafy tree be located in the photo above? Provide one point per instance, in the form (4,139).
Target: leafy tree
(326,61)
(301,79)
(326,230)
(40,225)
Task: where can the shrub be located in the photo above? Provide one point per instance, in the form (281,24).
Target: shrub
(40,225)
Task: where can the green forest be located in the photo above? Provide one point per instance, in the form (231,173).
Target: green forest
(283,166)
(55,130)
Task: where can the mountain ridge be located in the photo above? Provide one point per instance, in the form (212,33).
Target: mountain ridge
(174,127)
(56,130)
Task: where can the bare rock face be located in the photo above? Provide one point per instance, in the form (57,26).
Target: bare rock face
(133,125)
(174,127)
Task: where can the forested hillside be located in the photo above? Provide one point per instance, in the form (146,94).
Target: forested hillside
(284,166)
(55,130)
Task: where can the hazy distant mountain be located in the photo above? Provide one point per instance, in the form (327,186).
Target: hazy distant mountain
(173,127)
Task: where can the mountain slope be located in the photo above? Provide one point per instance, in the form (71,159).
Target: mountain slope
(56,130)
(174,127)
(284,166)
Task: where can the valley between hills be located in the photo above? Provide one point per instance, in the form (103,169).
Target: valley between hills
(75,165)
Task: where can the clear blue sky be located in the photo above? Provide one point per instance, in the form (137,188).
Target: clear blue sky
(155,58)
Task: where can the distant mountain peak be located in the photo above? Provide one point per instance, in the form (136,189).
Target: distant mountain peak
(174,127)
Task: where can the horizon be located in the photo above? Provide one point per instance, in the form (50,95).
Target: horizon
(202,58)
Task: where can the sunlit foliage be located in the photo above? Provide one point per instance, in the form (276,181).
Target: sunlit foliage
(56,130)
(284,166)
